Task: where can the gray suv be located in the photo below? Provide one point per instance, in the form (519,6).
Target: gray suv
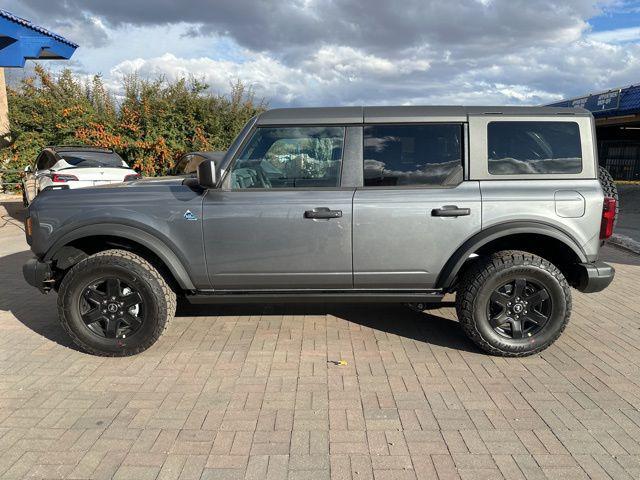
(356,204)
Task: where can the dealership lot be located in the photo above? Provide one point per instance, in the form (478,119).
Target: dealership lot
(259,392)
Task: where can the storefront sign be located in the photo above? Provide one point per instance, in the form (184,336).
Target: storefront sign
(599,102)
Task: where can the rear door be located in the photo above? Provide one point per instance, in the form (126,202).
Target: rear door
(282,219)
(415,207)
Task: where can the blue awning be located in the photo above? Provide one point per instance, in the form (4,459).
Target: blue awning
(21,40)
(610,103)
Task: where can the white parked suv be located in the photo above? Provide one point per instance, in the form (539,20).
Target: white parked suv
(63,167)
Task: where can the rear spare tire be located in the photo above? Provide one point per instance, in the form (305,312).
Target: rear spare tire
(609,188)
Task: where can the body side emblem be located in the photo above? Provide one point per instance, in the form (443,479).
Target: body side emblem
(190,216)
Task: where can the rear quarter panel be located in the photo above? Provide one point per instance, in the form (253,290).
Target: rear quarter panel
(547,201)
(570,202)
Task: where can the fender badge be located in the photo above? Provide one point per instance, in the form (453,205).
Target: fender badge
(190,216)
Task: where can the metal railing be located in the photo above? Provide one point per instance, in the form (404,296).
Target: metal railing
(4,184)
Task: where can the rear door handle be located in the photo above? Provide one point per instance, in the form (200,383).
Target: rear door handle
(450,211)
(322,212)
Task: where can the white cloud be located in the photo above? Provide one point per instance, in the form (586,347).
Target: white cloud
(313,52)
(619,35)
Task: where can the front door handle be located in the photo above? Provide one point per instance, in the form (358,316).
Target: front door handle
(450,211)
(322,212)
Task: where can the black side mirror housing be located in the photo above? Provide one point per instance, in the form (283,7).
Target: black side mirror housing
(207,177)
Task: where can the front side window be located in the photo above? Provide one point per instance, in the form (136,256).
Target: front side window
(290,157)
(413,155)
(517,148)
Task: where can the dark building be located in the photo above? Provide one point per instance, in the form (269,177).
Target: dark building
(617,114)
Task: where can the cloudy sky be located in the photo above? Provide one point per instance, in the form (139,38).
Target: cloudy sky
(342,52)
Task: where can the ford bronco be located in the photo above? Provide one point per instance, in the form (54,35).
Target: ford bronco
(501,205)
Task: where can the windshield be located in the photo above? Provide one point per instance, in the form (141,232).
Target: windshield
(89,159)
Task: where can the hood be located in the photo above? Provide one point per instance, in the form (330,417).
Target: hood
(142,183)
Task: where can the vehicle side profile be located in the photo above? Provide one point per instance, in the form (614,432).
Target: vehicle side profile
(501,205)
(63,167)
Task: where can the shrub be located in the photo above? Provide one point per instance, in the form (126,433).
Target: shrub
(151,125)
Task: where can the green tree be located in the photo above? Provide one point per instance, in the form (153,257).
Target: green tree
(151,125)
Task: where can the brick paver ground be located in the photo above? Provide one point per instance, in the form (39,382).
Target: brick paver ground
(253,392)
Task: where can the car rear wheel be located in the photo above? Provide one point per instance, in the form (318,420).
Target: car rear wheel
(115,303)
(513,303)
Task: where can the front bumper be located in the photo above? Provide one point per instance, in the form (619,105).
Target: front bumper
(38,274)
(594,277)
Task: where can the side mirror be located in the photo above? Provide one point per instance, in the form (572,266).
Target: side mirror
(27,169)
(207,177)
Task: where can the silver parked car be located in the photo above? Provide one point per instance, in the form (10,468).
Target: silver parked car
(375,204)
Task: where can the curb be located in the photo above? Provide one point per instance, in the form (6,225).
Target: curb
(624,242)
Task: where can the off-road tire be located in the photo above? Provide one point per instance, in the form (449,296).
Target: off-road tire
(161,299)
(609,188)
(478,283)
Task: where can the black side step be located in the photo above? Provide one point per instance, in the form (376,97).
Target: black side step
(316,296)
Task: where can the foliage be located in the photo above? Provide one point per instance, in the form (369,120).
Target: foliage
(151,125)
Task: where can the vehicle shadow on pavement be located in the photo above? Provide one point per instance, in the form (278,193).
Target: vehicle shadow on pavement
(34,310)
(38,312)
(615,254)
(394,319)
(15,210)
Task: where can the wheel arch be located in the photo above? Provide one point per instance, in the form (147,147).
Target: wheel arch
(68,249)
(539,238)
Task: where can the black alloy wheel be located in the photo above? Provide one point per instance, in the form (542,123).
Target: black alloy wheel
(115,303)
(519,308)
(513,303)
(111,308)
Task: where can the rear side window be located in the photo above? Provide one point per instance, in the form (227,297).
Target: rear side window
(412,155)
(520,148)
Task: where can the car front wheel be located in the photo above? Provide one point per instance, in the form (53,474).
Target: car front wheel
(115,303)
(513,303)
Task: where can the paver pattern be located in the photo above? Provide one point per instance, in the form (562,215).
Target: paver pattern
(257,392)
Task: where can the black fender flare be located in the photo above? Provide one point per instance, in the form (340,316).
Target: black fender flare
(134,234)
(455,262)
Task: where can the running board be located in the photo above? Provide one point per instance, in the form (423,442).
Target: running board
(316,296)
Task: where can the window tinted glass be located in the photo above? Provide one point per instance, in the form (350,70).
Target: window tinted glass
(534,147)
(405,155)
(290,157)
(82,159)
(41,163)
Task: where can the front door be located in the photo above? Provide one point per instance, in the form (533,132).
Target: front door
(281,219)
(415,208)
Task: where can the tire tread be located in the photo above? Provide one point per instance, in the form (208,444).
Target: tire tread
(479,273)
(106,258)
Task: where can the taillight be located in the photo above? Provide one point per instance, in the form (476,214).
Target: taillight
(134,176)
(63,178)
(608,217)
